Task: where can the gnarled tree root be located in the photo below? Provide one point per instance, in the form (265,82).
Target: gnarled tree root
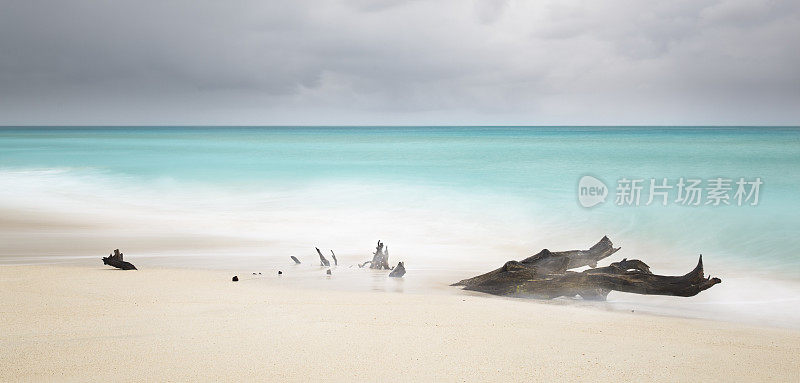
(546,276)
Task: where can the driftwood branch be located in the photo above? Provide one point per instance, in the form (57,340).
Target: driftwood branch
(322,260)
(116,260)
(546,275)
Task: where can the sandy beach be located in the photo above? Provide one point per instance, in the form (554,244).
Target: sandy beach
(70,323)
(399,191)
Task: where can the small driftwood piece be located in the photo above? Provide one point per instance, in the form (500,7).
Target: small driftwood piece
(546,275)
(115,260)
(296,261)
(335,261)
(322,260)
(398,271)
(380,258)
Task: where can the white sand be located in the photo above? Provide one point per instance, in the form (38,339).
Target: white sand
(98,324)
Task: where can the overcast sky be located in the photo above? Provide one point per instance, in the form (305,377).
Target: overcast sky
(388,62)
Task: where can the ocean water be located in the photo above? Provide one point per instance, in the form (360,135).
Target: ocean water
(455,199)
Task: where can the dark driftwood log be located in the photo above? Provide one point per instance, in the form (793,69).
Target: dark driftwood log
(322,260)
(296,261)
(335,261)
(545,262)
(115,260)
(398,270)
(380,258)
(546,276)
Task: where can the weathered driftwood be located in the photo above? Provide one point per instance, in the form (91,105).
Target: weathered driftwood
(398,270)
(543,263)
(115,260)
(296,261)
(322,260)
(380,258)
(335,261)
(546,275)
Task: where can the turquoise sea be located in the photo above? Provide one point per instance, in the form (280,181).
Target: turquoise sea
(475,196)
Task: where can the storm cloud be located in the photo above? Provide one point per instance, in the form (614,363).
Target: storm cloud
(400,62)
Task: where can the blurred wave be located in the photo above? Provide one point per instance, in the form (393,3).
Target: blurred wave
(442,198)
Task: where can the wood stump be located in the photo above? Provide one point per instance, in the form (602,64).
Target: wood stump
(380,258)
(398,271)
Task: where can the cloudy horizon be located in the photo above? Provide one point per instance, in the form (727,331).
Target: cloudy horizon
(387,62)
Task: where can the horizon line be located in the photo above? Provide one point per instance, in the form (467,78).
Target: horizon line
(386,126)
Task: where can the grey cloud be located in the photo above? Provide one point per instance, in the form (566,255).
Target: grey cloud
(392,61)
(489,11)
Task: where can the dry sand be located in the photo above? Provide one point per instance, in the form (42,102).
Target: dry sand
(96,324)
